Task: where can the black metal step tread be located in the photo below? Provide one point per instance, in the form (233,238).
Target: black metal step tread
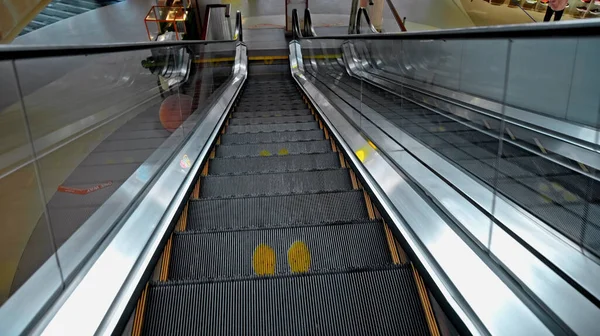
(258,114)
(305,126)
(267,137)
(270,107)
(280,163)
(272,98)
(275,183)
(276,211)
(292,250)
(274,148)
(365,302)
(271,120)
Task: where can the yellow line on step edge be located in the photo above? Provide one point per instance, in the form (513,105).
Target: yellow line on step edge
(262,58)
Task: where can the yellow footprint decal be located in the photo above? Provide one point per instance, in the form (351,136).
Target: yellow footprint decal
(264,152)
(283,151)
(263,260)
(299,257)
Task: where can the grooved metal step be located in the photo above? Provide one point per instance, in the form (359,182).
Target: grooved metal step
(246,165)
(377,302)
(292,98)
(270,94)
(269,149)
(226,255)
(275,183)
(276,211)
(270,107)
(258,114)
(305,126)
(271,120)
(249,138)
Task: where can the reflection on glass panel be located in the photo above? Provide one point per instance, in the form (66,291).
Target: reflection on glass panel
(21,204)
(102,127)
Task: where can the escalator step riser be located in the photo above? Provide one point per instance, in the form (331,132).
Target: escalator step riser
(271,120)
(276,211)
(261,114)
(249,138)
(273,164)
(320,304)
(273,149)
(227,255)
(275,184)
(306,126)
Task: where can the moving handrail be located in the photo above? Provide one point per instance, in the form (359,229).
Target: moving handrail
(362,12)
(296,32)
(42,303)
(309,31)
(207,17)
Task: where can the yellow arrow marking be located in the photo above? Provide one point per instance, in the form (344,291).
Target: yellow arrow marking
(283,151)
(264,152)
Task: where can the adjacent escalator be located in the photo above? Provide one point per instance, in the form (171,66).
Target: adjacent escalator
(565,199)
(279,238)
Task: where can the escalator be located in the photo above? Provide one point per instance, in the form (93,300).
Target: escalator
(278,237)
(564,198)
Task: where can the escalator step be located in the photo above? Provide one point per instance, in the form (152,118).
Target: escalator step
(275,183)
(305,126)
(243,115)
(276,211)
(375,302)
(274,106)
(271,164)
(248,138)
(328,248)
(270,100)
(269,149)
(271,120)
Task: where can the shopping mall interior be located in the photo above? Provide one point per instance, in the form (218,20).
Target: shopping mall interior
(275,167)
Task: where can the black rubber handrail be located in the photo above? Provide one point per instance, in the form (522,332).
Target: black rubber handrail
(362,12)
(30,52)
(570,28)
(309,31)
(296,33)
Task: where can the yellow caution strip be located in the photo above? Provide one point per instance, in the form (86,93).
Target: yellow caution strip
(269,59)
(138,320)
(353,178)
(182,222)
(370,210)
(431,323)
(323,56)
(391,244)
(166,258)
